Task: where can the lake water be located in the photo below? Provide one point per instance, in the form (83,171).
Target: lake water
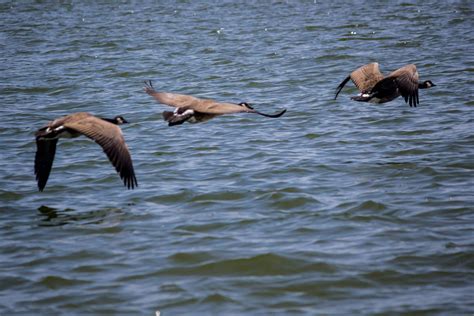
(337,207)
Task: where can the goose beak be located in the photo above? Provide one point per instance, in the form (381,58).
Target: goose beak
(271,115)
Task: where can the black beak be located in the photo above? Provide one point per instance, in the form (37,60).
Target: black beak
(271,115)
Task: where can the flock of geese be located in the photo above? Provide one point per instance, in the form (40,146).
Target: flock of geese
(373,87)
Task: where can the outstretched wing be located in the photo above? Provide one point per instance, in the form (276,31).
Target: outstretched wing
(406,79)
(171,99)
(45,151)
(206,106)
(341,85)
(364,78)
(203,106)
(110,138)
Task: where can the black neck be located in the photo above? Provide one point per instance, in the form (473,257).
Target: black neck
(113,121)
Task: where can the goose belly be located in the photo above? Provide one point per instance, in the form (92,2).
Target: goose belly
(69,134)
(202,117)
(192,120)
(385,97)
(376,100)
(383,100)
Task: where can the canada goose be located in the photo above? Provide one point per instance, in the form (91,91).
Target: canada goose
(375,88)
(195,110)
(103,131)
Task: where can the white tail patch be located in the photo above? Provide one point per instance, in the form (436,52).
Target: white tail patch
(187,112)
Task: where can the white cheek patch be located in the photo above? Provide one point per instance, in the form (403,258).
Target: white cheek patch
(58,129)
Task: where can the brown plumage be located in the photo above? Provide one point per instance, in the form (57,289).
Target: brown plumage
(375,88)
(194,110)
(104,132)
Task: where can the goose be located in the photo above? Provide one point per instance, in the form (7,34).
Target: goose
(375,88)
(103,131)
(196,110)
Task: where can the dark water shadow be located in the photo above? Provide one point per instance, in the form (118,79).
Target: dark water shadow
(50,216)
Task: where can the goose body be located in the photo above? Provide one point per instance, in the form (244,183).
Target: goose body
(104,132)
(375,88)
(195,110)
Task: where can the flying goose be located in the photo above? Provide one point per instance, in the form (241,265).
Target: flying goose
(375,88)
(195,110)
(103,131)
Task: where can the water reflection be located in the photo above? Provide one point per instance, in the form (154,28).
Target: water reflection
(50,216)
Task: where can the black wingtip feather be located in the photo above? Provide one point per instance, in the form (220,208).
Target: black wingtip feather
(272,115)
(341,85)
(44,158)
(149,86)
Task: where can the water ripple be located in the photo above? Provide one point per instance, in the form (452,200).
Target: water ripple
(337,207)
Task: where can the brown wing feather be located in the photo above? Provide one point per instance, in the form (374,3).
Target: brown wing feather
(174,99)
(406,79)
(206,106)
(366,77)
(110,138)
(171,99)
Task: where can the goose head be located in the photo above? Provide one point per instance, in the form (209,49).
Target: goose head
(426,84)
(118,120)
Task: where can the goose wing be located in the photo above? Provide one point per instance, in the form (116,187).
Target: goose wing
(205,106)
(212,107)
(364,78)
(174,99)
(110,138)
(171,99)
(45,151)
(406,79)
(46,142)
